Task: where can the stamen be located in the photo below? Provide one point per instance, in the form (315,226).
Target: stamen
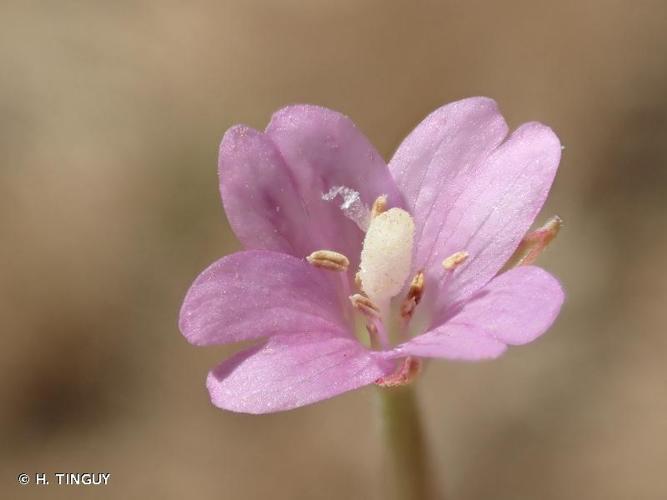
(414,296)
(417,287)
(328,259)
(357,280)
(404,374)
(455,260)
(373,335)
(408,308)
(534,243)
(365,305)
(379,206)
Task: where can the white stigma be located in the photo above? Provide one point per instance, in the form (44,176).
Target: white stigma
(387,254)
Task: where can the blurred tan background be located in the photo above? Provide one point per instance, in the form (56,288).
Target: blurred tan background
(110,118)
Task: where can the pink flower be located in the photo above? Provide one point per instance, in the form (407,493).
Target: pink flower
(313,203)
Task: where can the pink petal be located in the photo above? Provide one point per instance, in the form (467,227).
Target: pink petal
(257,293)
(324,149)
(467,191)
(261,200)
(451,341)
(493,212)
(516,307)
(290,371)
(436,161)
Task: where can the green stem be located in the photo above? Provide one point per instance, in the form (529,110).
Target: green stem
(408,468)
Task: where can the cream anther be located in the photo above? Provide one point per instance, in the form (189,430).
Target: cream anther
(379,206)
(455,260)
(328,259)
(414,296)
(416,287)
(364,305)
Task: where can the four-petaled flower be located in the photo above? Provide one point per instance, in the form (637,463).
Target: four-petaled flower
(355,270)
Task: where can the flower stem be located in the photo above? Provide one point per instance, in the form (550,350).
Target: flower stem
(408,468)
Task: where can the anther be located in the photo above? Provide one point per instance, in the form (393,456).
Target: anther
(328,259)
(379,206)
(534,243)
(455,260)
(414,296)
(416,290)
(365,305)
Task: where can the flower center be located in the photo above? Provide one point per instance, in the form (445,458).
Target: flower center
(384,267)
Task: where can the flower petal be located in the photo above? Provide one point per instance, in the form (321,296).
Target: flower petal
(494,211)
(324,149)
(290,371)
(514,308)
(451,341)
(258,293)
(468,192)
(436,161)
(262,203)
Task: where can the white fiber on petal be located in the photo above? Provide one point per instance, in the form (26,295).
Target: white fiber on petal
(387,254)
(352,206)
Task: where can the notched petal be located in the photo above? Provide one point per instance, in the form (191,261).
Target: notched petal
(254,294)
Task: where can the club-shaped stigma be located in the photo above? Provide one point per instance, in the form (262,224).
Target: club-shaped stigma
(386,255)
(328,259)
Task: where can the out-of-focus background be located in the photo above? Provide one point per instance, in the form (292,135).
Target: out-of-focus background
(110,118)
